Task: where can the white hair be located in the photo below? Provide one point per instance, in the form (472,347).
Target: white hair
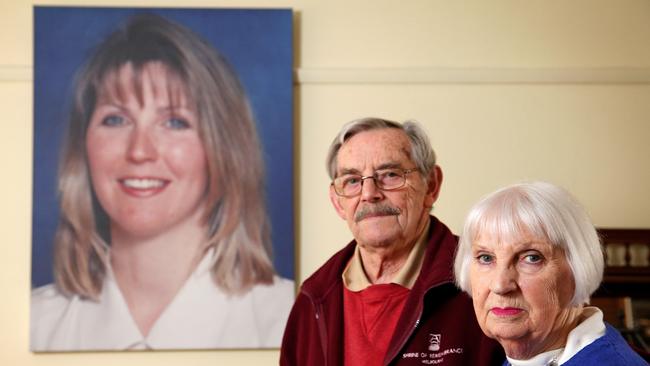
(547,212)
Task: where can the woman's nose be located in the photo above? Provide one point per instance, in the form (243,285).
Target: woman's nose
(142,147)
(504,280)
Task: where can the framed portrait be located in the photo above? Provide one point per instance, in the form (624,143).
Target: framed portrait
(163,214)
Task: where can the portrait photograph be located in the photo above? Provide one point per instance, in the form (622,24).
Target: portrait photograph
(162,206)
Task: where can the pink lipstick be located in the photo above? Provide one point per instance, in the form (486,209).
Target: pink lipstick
(506,311)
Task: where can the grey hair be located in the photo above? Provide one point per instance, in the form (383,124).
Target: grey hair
(547,212)
(422,153)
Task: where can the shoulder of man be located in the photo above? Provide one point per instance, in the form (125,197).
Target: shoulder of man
(439,253)
(329,274)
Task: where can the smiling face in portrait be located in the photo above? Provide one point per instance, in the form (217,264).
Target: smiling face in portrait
(146,158)
(522,289)
(381,218)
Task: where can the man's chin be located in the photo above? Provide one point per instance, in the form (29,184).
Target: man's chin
(376,239)
(375,243)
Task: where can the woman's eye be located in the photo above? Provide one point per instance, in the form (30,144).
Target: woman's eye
(113,120)
(177,124)
(484,258)
(532,258)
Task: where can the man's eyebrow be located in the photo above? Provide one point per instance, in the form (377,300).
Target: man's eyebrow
(346,171)
(390,165)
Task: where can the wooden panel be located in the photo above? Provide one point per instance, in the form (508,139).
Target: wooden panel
(627,270)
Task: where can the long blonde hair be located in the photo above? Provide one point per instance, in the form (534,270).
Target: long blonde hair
(237,222)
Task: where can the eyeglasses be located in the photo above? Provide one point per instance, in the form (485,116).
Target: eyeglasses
(349,185)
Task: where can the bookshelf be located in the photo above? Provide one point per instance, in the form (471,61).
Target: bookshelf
(624,294)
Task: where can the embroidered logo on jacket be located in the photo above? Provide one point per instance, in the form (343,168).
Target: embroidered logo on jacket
(434,342)
(434,353)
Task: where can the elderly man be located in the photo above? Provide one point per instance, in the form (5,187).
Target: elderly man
(388,297)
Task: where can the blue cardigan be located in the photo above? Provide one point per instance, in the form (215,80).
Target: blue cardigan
(609,350)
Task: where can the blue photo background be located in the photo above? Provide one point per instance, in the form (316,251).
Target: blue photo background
(257,43)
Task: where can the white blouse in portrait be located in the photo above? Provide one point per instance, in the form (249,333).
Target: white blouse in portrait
(199,317)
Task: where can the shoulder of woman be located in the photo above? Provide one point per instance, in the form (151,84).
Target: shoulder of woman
(48,296)
(285,286)
(278,296)
(48,307)
(283,283)
(47,302)
(271,307)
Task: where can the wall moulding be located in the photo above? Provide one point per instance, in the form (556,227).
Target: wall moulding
(433,75)
(601,75)
(12,73)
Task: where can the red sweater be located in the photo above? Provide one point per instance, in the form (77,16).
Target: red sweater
(436,326)
(370,319)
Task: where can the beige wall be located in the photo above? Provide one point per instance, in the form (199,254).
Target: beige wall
(508,90)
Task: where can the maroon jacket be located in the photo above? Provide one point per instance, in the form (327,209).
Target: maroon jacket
(437,325)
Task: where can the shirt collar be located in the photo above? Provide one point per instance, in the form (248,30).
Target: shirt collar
(355,278)
(590,328)
(120,329)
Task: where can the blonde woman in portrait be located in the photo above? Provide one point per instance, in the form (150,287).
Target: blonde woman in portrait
(163,240)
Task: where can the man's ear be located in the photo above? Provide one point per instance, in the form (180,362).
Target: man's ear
(433,189)
(334,198)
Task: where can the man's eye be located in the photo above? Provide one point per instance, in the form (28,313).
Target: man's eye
(113,120)
(382,174)
(351,181)
(177,124)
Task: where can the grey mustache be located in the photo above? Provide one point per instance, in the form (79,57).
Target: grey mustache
(376,210)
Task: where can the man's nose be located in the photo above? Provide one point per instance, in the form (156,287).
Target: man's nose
(369,189)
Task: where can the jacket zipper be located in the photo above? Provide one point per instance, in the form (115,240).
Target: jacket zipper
(417,321)
(320,322)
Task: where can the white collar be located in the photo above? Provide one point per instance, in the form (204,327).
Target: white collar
(118,323)
(201,316)
(590,329)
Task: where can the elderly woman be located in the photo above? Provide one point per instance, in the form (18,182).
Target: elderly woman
(163,240)
(530,258)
